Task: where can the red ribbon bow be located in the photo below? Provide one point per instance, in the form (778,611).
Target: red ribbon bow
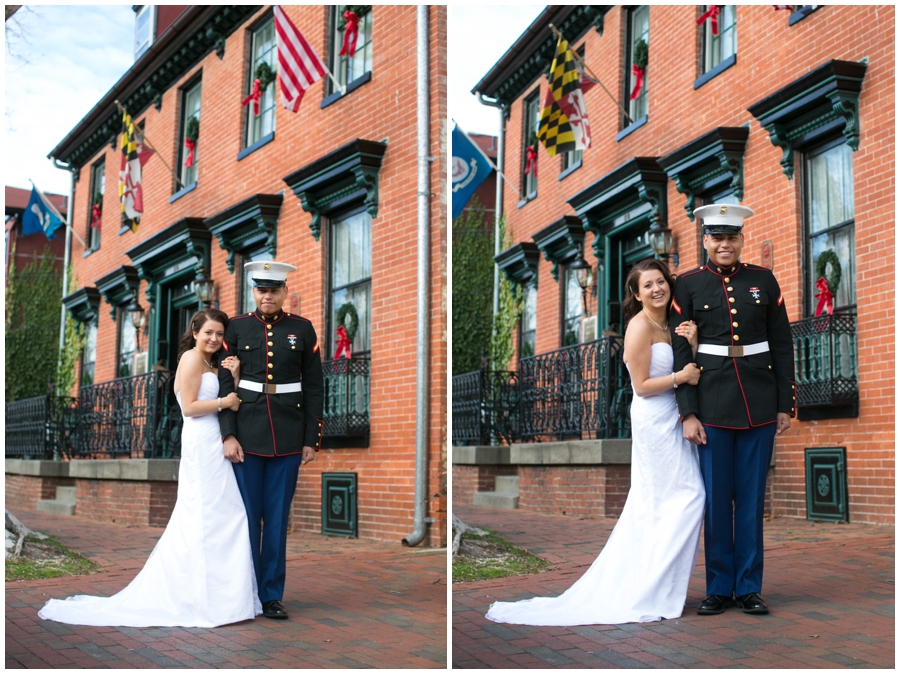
(95,217)
(531,162)
(351,34)
(189,162)
(826,297)
(343,342)
(638,73)
(713,14)
(254,96)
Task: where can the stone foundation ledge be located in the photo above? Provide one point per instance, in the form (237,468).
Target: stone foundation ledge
(144,470)
(570,453)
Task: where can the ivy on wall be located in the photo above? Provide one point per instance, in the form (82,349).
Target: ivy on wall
(511,305)
(473,288)
(33,306)
(68,360)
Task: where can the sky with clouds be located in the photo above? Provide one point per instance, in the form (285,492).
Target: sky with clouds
(478,35)
(58,62)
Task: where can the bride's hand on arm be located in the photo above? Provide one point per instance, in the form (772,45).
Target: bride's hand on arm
(233,365)
(688,330)
(190,373)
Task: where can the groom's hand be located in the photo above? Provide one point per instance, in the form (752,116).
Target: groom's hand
(783,422)
(233,450)
(693,430)
(309,454)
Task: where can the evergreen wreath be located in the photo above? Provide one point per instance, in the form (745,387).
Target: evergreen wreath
(193,129)
(98,201)
(265,75)
(640,55)
(346,309)
(829,257)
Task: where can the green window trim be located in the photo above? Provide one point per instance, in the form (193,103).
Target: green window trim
(119,287)
(520,263)
(813,107)
(83,304)
(339,181)
(247,225)
(560,241)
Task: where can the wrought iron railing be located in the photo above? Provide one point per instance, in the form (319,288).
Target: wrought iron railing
(346,410)
(825,360)
(581,391)
(39,428)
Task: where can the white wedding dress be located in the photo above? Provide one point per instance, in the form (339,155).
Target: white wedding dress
(642,573)
(200,574)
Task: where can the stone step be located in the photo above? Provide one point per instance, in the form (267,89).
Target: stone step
(65,494)
(507,484)
(495,500)
(46,505)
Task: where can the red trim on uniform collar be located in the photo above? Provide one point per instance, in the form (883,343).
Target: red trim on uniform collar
(724,271)
(260,316)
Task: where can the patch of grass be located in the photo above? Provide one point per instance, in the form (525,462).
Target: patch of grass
(58,561)
(490,556)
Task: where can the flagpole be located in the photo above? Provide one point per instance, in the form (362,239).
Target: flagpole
(591,73)
(487,159)
(67,220)
(147,143)
(334,79)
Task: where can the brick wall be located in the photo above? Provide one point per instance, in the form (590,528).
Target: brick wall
(582,491)
(126,502)
(771,55)
(24,491)
(467,480)
(381,109)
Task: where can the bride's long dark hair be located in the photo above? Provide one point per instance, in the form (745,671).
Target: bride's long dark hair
(198,320)
(630,305)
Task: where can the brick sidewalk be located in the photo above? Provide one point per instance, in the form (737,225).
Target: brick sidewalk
(353,603)
(830,590)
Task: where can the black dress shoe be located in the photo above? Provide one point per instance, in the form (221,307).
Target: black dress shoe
(752,603)
(714,604)
(273,609)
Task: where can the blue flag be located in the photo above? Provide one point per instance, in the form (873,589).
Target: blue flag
(40,216)
(469,169)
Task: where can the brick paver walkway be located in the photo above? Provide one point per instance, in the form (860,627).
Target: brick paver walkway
(830,590)
(353,603)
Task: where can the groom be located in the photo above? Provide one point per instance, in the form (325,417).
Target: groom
(278,426)
(745,396)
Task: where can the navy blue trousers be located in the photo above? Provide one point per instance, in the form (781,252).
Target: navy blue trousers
(267,486)
(734,465)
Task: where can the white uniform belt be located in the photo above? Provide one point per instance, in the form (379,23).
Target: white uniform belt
(270,389)
(736,351)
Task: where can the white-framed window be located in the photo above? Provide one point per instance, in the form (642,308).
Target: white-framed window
(532,119)
(144,29)
(98,189)
(247,301)
(350,274)
(528,321)
(638,29)
(572,309)
(127,344)
(262,50)
(190,109)
(718,48)
(830,220)
(89,353)
(345,68)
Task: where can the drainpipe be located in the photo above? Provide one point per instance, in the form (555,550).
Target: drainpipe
(498,208)
(67,256)
(424,315)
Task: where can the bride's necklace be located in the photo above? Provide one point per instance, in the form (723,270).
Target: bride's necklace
(208,364)
(664,329)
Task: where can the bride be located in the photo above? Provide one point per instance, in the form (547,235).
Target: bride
(200,574)
(642,573)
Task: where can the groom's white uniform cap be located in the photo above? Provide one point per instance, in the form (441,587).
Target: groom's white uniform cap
(268,274)
(723,218)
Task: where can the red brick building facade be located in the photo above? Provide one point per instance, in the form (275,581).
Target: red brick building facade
(788,112)
(330,189)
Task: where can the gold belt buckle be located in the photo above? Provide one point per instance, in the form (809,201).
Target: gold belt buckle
(269,388)
(736,351)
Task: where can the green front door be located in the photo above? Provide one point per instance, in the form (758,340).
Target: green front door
(624,247)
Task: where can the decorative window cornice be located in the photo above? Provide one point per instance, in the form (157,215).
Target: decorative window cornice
(561,241)
(520,263)
(823,102)
(119,287)
(83,304)
(343,178)
(185,243)
(637,188)
(707,163)
(247,224)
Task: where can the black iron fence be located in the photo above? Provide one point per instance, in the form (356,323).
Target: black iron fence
(825,360)
(346,411)
(39,428)
(581,391)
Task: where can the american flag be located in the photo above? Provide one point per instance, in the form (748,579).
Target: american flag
(299,67)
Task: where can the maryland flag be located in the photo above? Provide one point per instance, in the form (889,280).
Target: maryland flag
(564,121)
(134,156)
